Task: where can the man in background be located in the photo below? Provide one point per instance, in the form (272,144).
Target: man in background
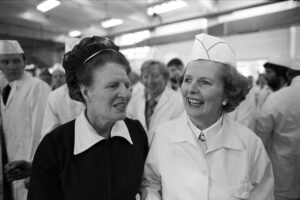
(176,68)
(22,107)
(278,127)
(275,76)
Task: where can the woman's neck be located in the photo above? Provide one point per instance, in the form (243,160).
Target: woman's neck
(206,122)
(102,127)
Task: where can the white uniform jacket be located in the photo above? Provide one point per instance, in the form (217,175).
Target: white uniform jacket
(234,166)
(22,118)
(60,109)
(278,125)
(169,106)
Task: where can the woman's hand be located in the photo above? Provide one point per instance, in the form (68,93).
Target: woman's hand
(17,170)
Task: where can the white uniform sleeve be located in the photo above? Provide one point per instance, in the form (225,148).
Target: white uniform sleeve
(51,119)
(262,175)
(265,122)
(39,98)
(151,183)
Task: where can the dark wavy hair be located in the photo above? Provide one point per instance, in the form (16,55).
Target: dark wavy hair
(236,86)
(280,70)
(87,56)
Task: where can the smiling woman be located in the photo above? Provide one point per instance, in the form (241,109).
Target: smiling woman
(204,154)
(100,154)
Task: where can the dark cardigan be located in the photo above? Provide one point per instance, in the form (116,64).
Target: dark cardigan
(109,170)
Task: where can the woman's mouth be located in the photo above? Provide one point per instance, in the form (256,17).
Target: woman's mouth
(121,106)
(195,102)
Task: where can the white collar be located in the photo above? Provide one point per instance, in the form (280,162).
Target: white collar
(86,136)
(209,133)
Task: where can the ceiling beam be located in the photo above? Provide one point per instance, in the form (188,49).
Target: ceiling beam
(277,20)
(211,15)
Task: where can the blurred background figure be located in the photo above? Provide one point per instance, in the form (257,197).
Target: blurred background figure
(3,81)
(136,85)
(60,108)
(157,103)
(58,76)
(259,85)
(176,68)
(278,127)
(275,76)
(45,76)
(250,81)
(22,107)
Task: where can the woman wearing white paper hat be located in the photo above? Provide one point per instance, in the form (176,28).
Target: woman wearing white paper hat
(204,154)
(278,127)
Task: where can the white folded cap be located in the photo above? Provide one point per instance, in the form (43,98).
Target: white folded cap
(10,47)
(70,43)
(295,64)
(211,48)
(279,59)
(57,66)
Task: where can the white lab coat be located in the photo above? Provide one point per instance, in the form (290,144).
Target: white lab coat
(235,166)
(22,118)
(169,106)
(262,96)
(60,109)
(245,113)
(278,125)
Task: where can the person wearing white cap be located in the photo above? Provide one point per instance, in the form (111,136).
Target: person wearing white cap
(58,76)
(204,154)
(278,127)
(60,107)
(275,75)
(22,107)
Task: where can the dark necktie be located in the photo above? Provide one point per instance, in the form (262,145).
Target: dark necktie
(5,93)
(150,105)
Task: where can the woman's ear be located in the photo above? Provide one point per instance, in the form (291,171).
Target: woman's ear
(225,101)
(85,93)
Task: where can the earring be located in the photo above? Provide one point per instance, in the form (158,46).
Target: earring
(224,103)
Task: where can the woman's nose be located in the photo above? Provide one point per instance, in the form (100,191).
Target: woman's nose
(192,88)
(124,91)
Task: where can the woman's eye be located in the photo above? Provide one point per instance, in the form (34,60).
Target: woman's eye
(187,80)
(113,85)
(205,82)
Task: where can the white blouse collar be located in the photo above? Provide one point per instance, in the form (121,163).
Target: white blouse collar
(86,136)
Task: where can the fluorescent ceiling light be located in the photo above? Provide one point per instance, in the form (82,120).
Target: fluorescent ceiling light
(111,22)
(47,5)
(74,33)
(166,7)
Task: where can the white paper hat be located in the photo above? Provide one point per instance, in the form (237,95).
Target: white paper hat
(70,43)
(279,59)
(296,64)
(10,47)
(56,66)
(211,48)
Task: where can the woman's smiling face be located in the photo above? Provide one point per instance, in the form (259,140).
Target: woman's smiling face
(203,91)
